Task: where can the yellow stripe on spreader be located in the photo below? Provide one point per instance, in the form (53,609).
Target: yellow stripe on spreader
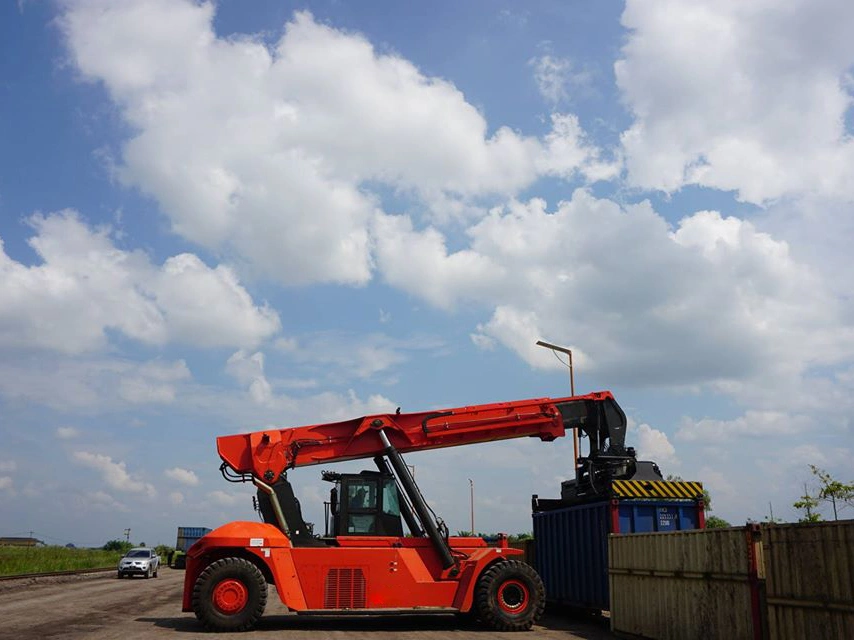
(657,489)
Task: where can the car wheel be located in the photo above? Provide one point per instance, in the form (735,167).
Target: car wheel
(509,596)
(230,595)
(156,570)
(119,575)
(148,573)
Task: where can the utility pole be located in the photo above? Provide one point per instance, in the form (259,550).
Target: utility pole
(127,535)
(568,352)
(471,493)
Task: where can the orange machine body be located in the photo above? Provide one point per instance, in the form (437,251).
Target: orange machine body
(269,452)
(367,573)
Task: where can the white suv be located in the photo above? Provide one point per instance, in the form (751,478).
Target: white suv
(139,561)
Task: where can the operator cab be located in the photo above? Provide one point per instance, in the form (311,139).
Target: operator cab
(363,504)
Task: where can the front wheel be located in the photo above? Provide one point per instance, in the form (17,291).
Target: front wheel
(509,596)
(230,595)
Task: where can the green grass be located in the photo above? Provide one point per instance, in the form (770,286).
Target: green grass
(17,560)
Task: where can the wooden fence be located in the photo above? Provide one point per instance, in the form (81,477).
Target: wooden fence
(786,582)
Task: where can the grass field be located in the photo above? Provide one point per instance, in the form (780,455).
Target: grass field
(16,560)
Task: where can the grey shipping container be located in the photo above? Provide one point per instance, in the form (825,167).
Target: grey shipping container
(572,543)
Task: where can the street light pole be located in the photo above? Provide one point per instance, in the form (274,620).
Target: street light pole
(568,352)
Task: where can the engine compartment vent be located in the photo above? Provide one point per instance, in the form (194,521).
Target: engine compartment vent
(344,588)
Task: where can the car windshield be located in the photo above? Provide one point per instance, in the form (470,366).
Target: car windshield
(140,553)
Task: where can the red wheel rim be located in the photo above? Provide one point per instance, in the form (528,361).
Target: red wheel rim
(513,596)
(230,596)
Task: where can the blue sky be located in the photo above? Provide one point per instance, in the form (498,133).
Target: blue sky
(216,219)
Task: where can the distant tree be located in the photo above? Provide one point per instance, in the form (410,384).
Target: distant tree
(163,550)
(809,505)
(118,545)
(833,491)
(513,537)
(714,522)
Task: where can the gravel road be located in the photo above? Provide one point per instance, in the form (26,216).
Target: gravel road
(99,606)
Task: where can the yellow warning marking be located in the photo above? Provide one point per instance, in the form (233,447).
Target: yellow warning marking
(657,489)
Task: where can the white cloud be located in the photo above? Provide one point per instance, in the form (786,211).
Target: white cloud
(343,355)
(5,483)
(153,382)
(7,466)
(558,79)
(102,501)
(709,301)
(745,96)
(419,261)
(568,152)
(176,498)
(723,491)
(67,433)
(753,424)
(653,444)
(551,75)
(249,371)
(183,476)
(520,330)
(271,152)
(92,384)
(114,474)
(225,499)
(87,286)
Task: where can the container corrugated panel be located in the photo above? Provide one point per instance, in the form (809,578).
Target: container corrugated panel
(572,554)
(572,543)
(686,584)
(810,579)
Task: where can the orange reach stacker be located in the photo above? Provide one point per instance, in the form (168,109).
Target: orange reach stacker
(364,564)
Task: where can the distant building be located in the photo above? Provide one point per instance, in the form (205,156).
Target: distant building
(21,542)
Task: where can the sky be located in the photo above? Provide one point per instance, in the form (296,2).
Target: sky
(222,217)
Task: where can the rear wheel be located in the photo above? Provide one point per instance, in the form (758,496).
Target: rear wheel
(230,595)
(509,596)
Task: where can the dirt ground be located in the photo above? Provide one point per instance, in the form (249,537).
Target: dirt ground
(99,606)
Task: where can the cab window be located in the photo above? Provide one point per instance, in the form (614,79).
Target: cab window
(391,505)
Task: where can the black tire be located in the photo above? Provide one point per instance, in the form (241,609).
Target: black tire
(230,595)
(119,575)
(509,596)
(148,573)
(155,571)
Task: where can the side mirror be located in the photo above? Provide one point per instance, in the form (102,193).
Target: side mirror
(333,501)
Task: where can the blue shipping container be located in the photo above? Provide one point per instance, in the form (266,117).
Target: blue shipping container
(187,537)
(192,532)
(572,543)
